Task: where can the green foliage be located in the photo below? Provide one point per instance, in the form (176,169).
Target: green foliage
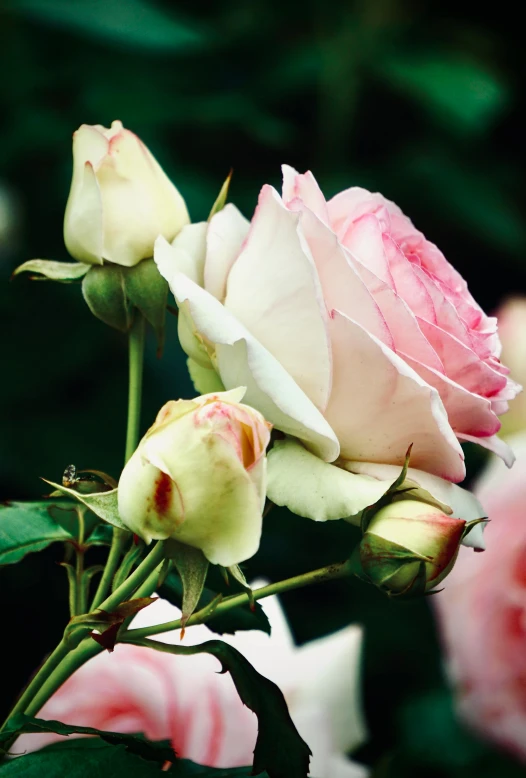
(26,528)
(125,21)
(192,567)
(280,751)
(86,758)
(240,618)
(159,752)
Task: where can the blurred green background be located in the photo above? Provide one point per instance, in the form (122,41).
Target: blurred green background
(420,100)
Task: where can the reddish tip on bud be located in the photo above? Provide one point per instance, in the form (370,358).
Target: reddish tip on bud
(409,547)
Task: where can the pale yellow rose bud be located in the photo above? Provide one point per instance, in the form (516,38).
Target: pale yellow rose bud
(409,547)
(120,199)
(199,476)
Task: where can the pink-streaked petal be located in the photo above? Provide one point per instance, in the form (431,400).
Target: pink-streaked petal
(379,406)
(407,283)
(403,325)
(343,289)
(226,232)
(274,289)
(351,204)
(445,315)
(243,361)
(462,364)
(467,412)
(364,240)
(495,444)
(304,187)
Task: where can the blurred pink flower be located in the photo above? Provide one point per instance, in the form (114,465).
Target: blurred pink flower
(482,612)
(184,699)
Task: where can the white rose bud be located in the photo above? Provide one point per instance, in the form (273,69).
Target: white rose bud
(120,199)
(199,476)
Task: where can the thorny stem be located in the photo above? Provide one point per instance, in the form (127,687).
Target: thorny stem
(328,573)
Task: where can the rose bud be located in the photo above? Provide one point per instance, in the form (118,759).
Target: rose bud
(409,547)
(120,199)
(199,476)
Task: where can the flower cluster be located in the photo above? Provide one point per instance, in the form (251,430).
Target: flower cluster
(341,361)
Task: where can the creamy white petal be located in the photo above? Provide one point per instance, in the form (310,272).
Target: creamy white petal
(225,235)
(242,360)
(315,489)
(274,290)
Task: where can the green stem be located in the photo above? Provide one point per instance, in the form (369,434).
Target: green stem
(45,671)
(328,573)
(131,557)
(80,588)
(70,662)
(118,543)
(147,568)
(136,359)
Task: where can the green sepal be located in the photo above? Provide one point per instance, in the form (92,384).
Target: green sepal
(103,504)
(148,291)
(192,567)
(239,576)
(377,561)
(221,197)
(369,512)
(104,291)
(471,524)
(42,269)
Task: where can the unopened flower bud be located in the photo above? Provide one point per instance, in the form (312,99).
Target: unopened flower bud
(120,199)
(199,476)
(409,547)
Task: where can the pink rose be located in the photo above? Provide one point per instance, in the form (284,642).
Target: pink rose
(184,699)
(351,331)
(482,612)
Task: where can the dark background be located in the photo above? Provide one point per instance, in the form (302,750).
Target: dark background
(419,100)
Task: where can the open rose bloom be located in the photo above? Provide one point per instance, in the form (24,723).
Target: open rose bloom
(185,699)
(353,335)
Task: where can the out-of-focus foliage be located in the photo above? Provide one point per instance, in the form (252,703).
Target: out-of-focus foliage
(420,100)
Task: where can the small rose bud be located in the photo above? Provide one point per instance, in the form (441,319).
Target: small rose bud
(120,199)
(409,547)
(199,476)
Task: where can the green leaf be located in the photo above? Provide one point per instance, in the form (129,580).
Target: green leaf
(81,758)
(157,751)
(27,527)
(148,290)
(279,748)
(103,504)
(102,535)
(192,566)
(130,22)
(104,292)
(233,620)
(54,271)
